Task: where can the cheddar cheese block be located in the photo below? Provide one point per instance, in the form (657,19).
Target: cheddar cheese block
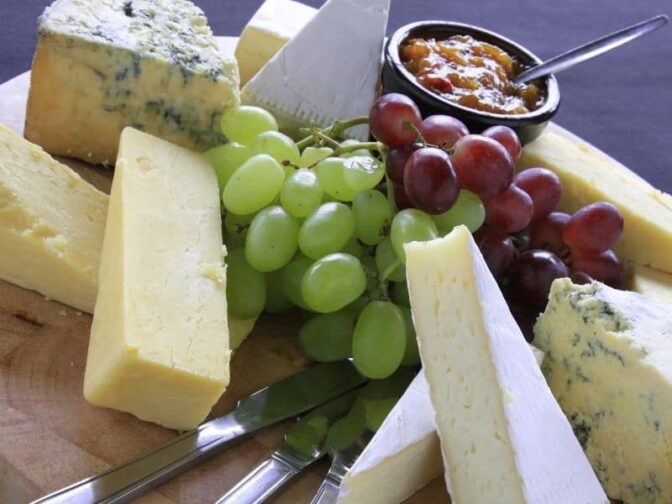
(654,284)
(589,175)
(101,65)
(159,342)
(51,224)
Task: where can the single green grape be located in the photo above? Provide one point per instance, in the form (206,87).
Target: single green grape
(345,432)
(373,214)
(313,155)
(277,145)
(327,230)
(373,283)
(333,282)
(226,159)
(389,265)
(254,185)
(245,123)
(355,308)
(235,228)
(355,248)
(412,353)
(272,239)
(277,301)
(468,209)
(379,396)
(292,276)
(327,337)
(358,152)
(306,437)
(411,225)
(362,172)
(301,193)
(379,340)
(245,286)
(399,294)
(331,174)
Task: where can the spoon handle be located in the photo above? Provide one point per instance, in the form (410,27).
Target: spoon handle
(591,49)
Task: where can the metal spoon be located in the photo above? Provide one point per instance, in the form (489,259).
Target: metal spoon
(591,49)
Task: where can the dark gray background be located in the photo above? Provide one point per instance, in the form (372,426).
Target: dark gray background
(621,102)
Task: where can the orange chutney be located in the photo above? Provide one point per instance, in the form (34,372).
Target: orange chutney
(471,73)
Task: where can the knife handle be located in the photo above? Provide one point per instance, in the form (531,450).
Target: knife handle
(260,484)
(126,481)
(327,493)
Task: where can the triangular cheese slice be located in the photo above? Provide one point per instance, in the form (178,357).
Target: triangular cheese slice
(503,436)
(328,71)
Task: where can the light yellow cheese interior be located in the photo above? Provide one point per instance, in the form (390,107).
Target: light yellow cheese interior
(654,284)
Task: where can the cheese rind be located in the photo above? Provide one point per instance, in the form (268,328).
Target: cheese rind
(503,436)
(654,284)
(588,175)
(101,65)
(608,361)
(51,224)
(271,27)
(159,341)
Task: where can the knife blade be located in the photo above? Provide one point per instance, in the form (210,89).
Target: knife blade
(303,445)
(283,400)
(341,463)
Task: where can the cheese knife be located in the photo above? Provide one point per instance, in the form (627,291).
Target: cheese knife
(304,445)
(341,462)
(285,399)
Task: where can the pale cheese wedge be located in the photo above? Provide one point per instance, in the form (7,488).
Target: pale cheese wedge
(654,284)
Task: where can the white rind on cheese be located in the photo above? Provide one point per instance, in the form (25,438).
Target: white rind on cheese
(159,342)
(503,436)
(102,65)
(271,27)
(51,224)
(609,363)
(328,71)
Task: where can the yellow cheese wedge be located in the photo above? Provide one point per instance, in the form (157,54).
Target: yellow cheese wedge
(159,341)
(588,175)
(51,224)
(652,283)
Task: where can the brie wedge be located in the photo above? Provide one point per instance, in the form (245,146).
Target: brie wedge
(503,436)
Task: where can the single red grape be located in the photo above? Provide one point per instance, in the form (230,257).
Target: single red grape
(508,138)
(400,196)
(533,273)
(604,267)
(483,165)
(430,180)
(580,278)
(546,233)
(392,117)
(525,316)
(593,229)
(442,130)
(544,188)
(396,159)
(497,249)
(509,211)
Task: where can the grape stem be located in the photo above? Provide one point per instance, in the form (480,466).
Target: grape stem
(332,131)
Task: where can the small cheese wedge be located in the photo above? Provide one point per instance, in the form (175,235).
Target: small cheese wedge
(589,175)
(503,436)
(51,224)
(609,363)
(329,71)
(654,284)
(271,27)
(101,65)
(159,341)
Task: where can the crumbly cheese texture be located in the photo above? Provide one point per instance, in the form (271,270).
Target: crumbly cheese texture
(654,284)
(159,341)
(589,175)
(329,71)
(271,27)
(102,65)
(609,363)
(503,436)
(51,224)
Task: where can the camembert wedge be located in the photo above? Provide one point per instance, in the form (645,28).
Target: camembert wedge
(159,345)
(51,224)
(503,436)
(609,363)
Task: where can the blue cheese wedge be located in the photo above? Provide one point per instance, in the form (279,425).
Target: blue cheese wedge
(102,65)
(609,363)
(503,436)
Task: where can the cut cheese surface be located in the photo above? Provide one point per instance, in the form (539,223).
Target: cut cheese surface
(159,341)
(328,71)
(503,436)
(609,363)
(589,175)
(101,65)
(654,284)
(51,224)
(271,27)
